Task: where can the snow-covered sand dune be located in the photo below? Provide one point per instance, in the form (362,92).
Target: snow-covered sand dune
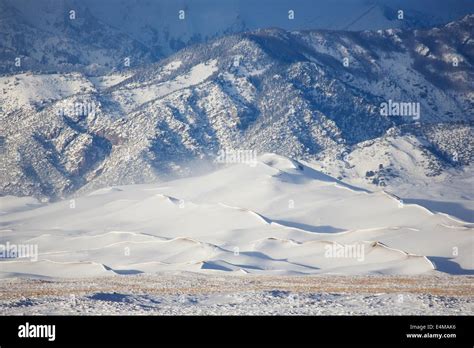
(275,217)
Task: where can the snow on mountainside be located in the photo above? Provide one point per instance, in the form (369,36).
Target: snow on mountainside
(402,166)
(276,217)
(31,89)
(103,33)
(156,22)
(268,90)
(46,39)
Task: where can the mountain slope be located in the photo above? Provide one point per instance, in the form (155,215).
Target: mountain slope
(104,33)
(263,91)
(46,38)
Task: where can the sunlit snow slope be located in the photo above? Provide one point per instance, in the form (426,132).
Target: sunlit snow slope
(275,217)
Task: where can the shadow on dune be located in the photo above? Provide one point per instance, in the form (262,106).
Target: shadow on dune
(452,208)
(127,271)
(444,264)
(123,271)
(309,228)
(308,174)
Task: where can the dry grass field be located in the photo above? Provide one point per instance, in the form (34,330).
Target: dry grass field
(191,293)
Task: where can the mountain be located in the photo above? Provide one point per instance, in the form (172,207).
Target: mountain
(156,23)
(268,90)
(104,33)
(46,38)
(277,216)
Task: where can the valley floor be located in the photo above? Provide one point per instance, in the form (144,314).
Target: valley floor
(186,293)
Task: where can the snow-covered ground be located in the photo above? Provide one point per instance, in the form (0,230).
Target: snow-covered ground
(139,95)
(179,293)
(271,236)
(399,163)
(25,89)
(274,216)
